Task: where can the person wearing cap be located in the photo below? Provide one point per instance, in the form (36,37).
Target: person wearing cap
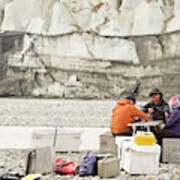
(173,101)
(158,107)
(124,113)
(172,125)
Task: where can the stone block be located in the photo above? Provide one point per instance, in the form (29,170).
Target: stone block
(62,140)
(171,150)
(107,143)
(41,160)
(108,168)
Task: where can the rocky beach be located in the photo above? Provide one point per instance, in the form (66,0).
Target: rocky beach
(15,111)
(65,63)
(13,162)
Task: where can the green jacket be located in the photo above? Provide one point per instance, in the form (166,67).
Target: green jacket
(159,109)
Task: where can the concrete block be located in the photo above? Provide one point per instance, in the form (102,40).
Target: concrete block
(41,160)
(108,168)
(107,143)
(65,139)
(15,137)
(171,150)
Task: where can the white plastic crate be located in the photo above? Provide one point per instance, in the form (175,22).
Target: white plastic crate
(140,159)
(119,140)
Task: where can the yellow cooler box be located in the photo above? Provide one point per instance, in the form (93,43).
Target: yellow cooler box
(145,138)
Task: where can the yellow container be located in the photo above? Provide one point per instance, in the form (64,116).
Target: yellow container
(145,139)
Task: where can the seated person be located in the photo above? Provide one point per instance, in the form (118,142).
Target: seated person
(123,114)
(172,126)
(158,107)
(173,101)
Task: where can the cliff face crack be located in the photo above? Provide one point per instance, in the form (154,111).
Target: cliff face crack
(31,48)
(79,29)
(161,44)
(164,30)
(98,27)
(88,50)
(97,7)
(167,7)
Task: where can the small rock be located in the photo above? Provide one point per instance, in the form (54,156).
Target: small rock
(73,81)
(66,177)
(164,177)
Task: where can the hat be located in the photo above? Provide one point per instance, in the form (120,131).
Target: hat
(131,98)
(174,102)
(155,91)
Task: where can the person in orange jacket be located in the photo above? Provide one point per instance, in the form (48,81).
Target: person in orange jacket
(124,113)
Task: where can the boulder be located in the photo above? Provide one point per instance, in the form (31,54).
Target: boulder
(171,45)
(149,48)
(53,90)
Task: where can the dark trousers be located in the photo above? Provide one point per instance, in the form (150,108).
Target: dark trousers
(165,134)
(127,133)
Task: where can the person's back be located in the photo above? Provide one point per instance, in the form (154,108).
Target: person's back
(123,114)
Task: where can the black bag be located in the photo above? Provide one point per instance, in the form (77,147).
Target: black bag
(11,176)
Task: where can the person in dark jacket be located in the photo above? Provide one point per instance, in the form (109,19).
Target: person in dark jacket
(172,126)
(158,107)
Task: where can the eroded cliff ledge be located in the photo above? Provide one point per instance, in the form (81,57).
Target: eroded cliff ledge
(89,48)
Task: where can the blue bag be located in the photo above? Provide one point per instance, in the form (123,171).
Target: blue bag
(88,165)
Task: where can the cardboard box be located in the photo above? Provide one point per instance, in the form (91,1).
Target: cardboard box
(140,159)
(171,150)
(107,143)
(108,167)
(40,160)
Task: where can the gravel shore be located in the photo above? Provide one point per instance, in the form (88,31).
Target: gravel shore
(55,112)
(67,113)
(12,161)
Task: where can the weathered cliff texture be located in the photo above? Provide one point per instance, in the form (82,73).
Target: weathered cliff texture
(89,48)
(104,17)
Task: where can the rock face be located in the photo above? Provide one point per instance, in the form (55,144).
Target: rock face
(89,49)
(115,18)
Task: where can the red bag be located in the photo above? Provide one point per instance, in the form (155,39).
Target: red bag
(64,167)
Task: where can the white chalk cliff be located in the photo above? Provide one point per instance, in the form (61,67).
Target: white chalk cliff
(104,17)
(106,44)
